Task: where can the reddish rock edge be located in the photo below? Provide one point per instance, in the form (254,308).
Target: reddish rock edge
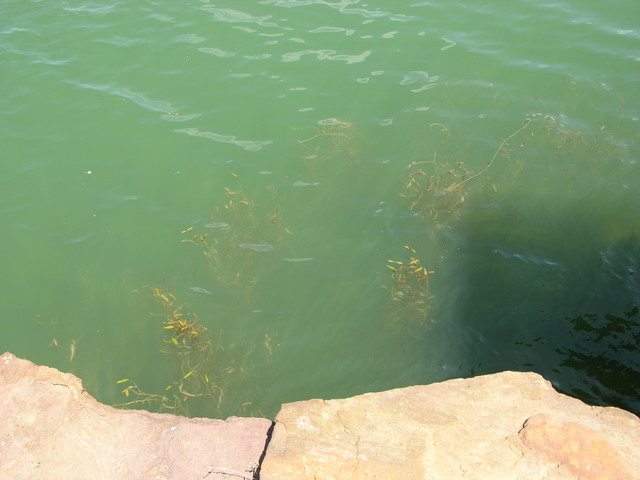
(506,426)
(503,426)
(51,428)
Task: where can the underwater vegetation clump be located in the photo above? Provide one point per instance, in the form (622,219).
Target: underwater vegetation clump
(208,372)
(442,187)
(437,189)
(567,143)
(336,142)
(240,229)
(409,292)
(189,341)
(438,194)
(205,370)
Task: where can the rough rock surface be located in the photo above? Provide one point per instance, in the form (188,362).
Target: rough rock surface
(51,428)
(503,426)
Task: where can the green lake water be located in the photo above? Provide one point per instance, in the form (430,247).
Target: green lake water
(234,205)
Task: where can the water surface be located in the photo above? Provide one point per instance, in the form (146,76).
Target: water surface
(283,200)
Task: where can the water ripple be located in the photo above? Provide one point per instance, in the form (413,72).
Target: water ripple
(236,16)
(39,57)
(249,145)
(343,6)
(326,55)
(84,10)
(177,117)
(138,98)
(120,41)
(422,78)
(216,51)
(190,38)
(257,247)
(347,31)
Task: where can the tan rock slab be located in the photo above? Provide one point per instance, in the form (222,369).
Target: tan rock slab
(51,428)
(504,426)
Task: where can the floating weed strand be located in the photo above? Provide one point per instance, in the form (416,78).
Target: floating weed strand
(504,142)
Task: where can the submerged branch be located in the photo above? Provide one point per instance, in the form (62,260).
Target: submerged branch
(504,142)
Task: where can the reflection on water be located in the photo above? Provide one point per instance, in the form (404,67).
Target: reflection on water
(604,343)
(605,348)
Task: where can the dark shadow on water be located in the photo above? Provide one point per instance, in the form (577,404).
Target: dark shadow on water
(563,302)
(606,350)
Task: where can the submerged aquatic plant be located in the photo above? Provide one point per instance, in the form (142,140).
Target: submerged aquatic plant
(335,140)
(241,228)
(206,369)
(432,195)
(437,189)
(409,292)
(191,344)
(563,141)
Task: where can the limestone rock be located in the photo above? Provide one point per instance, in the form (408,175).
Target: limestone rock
(503,426)
(51,428)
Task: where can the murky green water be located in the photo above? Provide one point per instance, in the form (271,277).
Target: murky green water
(206,196)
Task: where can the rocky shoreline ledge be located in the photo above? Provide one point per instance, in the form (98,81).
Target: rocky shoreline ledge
(503,426)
